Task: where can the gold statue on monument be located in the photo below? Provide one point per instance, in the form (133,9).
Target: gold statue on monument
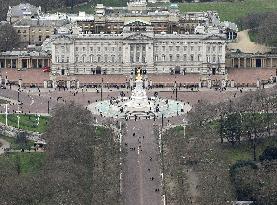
(138,77)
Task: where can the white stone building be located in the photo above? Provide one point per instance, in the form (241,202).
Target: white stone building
(138,46)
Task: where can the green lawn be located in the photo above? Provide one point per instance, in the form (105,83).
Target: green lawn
(16,146)
(232,11)
(244,150)
(26,122)
(25,162)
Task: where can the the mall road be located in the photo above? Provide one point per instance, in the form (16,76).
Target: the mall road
(141,170)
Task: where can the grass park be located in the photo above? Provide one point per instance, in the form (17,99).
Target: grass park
(23,161)
(26,122)
(190,159)
(228,11)
(232,11)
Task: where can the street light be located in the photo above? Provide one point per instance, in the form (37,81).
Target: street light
(102,89)
(18,91)
(18,118)
(6,105)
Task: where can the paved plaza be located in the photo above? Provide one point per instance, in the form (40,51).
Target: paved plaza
(141,181)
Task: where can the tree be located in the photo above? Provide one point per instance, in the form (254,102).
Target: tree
(232,127)
(9,37)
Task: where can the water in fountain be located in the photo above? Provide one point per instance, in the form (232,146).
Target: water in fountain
(139,105)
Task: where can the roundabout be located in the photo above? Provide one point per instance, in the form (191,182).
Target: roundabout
(139,105)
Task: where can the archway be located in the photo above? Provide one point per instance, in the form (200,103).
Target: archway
(98,70)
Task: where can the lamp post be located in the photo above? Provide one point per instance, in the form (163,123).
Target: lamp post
(48,106)
(185,124)
(18,91)
(176,90)
(38,120)
(6,105)
(18,118)
(101,92)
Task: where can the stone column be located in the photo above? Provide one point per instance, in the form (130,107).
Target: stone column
(209,83)
(78,84)
(146,84)
(20,82)
(238,62)
(258,83)
(6,81)
(232,83)
(233,62)
(37,63)
(68,84)
(271,65)
(223,83)
(54,84)
(45,84)
(244,63)
(262,62)
(200,84)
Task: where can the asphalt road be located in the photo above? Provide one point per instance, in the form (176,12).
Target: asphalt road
(141,169)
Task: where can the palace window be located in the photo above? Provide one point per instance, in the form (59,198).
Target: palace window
(143,48)
(177,57)
(91,49)
(113,59)
(106,58)
(177,48)
(143,59)
(163,48)
(199,57)
(76,49)
(98,59)
(156,58)
(163,57)
(170,48)
(191,57)
(185,57)
(76,59)
(185,48)
(214,59)
(170,58)
(84,48)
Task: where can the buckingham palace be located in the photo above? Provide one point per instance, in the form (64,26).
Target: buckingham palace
(119,40)
(138,46)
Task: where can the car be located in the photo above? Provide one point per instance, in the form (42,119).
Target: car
(46,69)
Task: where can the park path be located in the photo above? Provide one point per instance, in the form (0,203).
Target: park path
(141,164)
(4,145)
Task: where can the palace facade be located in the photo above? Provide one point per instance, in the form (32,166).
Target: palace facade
(138,46)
